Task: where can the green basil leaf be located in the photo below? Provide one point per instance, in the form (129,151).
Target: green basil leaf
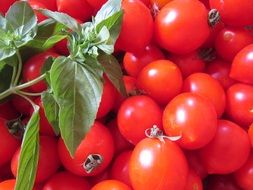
(6,51)
(29,156)
(113,71)
(78,92)
(52,41)
(2,22)
(51,110)
(5,76)
(64,19)
(46,68)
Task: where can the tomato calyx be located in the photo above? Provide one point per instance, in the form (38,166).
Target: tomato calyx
(213,17)
(92,162)
(207,54)
(16,127)
(155,132)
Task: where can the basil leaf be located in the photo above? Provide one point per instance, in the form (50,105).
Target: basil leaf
(53,40)
(77,90)
(29,156)
(64,19)
(5,76)
(2,22)
(51,110)
(6,50)
(113,71)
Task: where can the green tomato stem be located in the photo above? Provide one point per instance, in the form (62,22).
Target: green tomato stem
(19,69)
(14,73)
(30,83)
(29,93)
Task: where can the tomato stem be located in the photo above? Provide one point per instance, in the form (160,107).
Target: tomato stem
(15,82)
(29,93)
(30,83)
(213,17)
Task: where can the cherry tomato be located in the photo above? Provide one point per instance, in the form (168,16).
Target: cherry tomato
(96,150)
(191,116)
(8,143)
(5,172)
(99,177)
(219,70)
(175,19)
(48,159)
(209,43)
(120,167)
(158,4)
(8,184)
(21,105)
(155,79)
(133,63)
(234,12)
(50,4)
(7,111)
(5,5)
(96,4)
(242,66)
(66,181)
(32,69)
(230,41)
(158,165)
(189,63)
(35,4)
(239,106)
(244,176)
(79,9)
(221,182)
(136,114)
(227,151)
(193,181)
(111,185)
(250,132)
(204,85)
(137,27)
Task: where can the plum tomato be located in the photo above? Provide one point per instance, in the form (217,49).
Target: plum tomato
(8,184)
(96,4)
(228,150)
(93,155)
(22,105)
(250,132)
(193,181)
(110,185)
(5,5)
(193,117)
(36,4)
(50,4)
(162,80)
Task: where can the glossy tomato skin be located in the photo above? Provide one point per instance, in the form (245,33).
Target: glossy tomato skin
(193,181)
(155,80)
(232,14)
(136,114)
(191,116)
(133,63)
(242,65)
(110,185)
(189,63)
(32,69)
(219,70)
(204,85)
(157,165)
(158,4)
(190,16)
(231,40)
(97,141)
(137,27)
(21,105)
(35,4)
(8,143)
(66,181)
(48,159)
(240,103)
(7,111)
(78,9)
(250,133)
(50,4)
(5,5)
(221,182)
(227,151)
(244,176)
(96,4)
(8,184)
(120,167)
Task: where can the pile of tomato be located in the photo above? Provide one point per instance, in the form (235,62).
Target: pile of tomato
(187,122)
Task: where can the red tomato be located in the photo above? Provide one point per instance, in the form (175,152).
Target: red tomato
(234,12)
(66,181)
(111,185)
(133,63)
(158,165)
(193,181)
(5,172)
(189,63)
(45,126)
(48,159)
(35,4)
(8,143)
(108,98)
(230,41)
(182,117)
(99,177)
(96,4)
(250,132)
(204,85)
(209,43)
(120,167)
(8,184)
(79,9)
(7,111)
(137,27)
(21,105)
(221,182)
(175,19)
(155,80)
(119,141)
(244,176)
(5,5)
(242,66)
(136,114)
(96,148)
(219,70)
(158,4)
(239,105)
(50,4)
(32,69)
(227,151)
(61,47)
